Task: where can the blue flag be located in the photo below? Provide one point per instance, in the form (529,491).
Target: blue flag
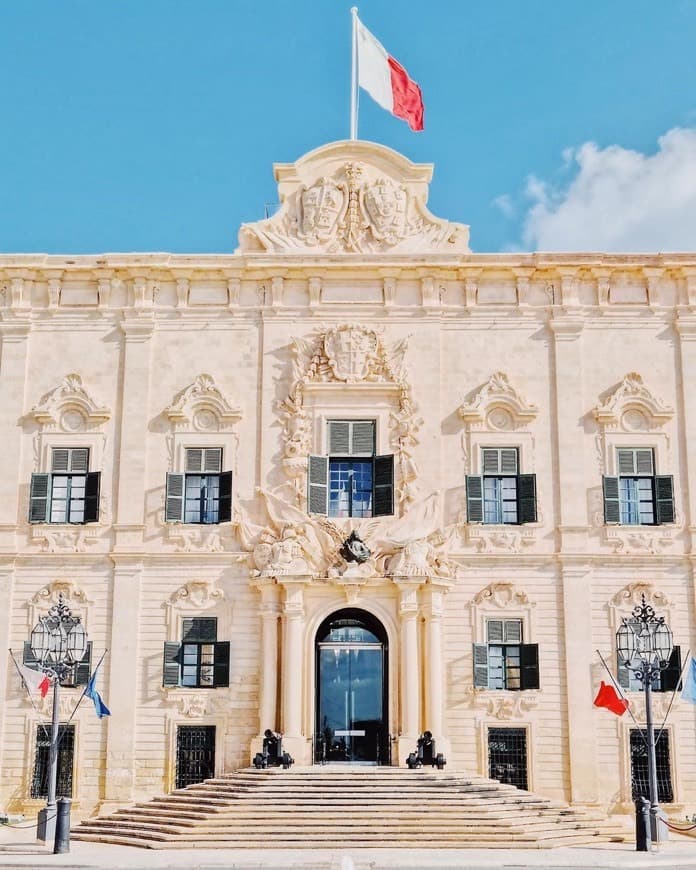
(689,689)
(99,706)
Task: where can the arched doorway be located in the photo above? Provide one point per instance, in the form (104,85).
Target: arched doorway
(351,689)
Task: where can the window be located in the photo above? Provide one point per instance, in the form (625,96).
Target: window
(200,660)
(639,766)
(66,751)
(507,756)
(77,675)
(666,681)
(195,754)
(637,496)
(203,494)
(501,495)
(504,662)
(351,481)
(69,493)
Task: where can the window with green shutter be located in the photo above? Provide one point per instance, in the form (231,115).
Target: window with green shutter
(636,495)
(69,493)
(501,495)
(504,661)
(203,493)
(199,660)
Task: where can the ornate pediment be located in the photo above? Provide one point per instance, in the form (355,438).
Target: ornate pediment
(69,408)
(502,595)
(202,407)
(498,405)
(353,197)
(632,407)
(197,595)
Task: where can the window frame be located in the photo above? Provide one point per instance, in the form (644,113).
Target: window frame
(200,635)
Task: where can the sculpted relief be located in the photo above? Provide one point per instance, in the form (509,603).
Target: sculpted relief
(353,197)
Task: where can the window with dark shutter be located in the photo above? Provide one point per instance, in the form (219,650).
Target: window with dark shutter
(507,497)
(384,486)
(83,669)
(526,498)
(174,499)
(92,487)
(669,678)
(638,499)
(474,499)
(529,666)
(481,665)
(39,497)
(225,498)
(612,511)
(202,629)
(222,664)
(318,489)
(664,498)
(171,665)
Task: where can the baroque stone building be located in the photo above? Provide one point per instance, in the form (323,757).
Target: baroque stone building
(188,441)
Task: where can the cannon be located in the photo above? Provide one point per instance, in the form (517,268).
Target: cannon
(425,754)
(272,754)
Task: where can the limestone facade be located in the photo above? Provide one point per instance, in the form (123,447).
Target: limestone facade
(353,303)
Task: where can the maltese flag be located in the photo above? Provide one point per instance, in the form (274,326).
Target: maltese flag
(36,682)
(386,81)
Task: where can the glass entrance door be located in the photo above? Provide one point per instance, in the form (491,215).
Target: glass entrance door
(351,721)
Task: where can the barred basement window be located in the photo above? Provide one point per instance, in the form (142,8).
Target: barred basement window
(351,481)
(504,662)
(501,495)
(203,494)
(507,756)
(639,766)
(66,751)
(69,493)
(200,660)
(638,496)
(195,754)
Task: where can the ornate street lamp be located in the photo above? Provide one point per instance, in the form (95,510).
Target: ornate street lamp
(58,642)
(644,644)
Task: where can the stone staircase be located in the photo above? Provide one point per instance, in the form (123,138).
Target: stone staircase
(349,807)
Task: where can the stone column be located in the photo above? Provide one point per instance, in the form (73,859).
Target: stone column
(122,664)
(433,595)
(409,669)
(6,666)
(572,541)
(269,611)
(132,484)
(292,669)
(14,334)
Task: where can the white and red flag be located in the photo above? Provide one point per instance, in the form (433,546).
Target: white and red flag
(386,81)
(36,682)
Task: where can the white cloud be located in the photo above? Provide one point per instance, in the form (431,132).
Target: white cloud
(506,205)
(618,200)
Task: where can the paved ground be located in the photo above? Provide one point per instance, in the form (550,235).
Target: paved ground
(18,848)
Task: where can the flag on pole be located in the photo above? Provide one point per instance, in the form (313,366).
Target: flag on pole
(100,707)
(35,682)
(607,697)
(386,81)
(689,687)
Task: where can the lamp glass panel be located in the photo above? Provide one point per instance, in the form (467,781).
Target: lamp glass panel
(626,642)
(77,642)
(57,643)
(39,641)
(663,642)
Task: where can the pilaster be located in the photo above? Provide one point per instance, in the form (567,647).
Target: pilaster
(433,611)
(6,592)
(686,331)
(269,611)
(409,670)
(292,693)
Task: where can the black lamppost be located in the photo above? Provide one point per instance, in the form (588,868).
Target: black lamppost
(58,642)
(644,643)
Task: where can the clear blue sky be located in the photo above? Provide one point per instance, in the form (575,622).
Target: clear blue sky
(152,124)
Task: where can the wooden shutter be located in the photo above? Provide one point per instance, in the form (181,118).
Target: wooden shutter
(362,438)
(60,460)
(513,631)
(225,497)
(318,485)
(495,631)
(92,486)
(669,678)
(491,460)
(500,461)
(626,461)
(339,437)
(221,659)
(84,667)
(664,498)
(481,665)
(174,499)
(383,486)
(199,629)
(644,462)
(529,666)
(508,461)
(171,666)
(79,460)
(612,509)
(194,460)
(28,657)
(526,498)
(39,498)
(474,499)
(623,675)
(212,460)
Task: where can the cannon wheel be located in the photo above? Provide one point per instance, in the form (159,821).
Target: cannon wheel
(440,761)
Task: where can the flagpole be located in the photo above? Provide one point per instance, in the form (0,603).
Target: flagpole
(354,77)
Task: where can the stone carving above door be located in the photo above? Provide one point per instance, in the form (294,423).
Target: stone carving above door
(353,197)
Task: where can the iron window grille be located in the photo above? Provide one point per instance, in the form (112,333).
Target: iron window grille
(351,480)
(66,752)
(504,662)
(77,674)
(69,493)
(501,495)
(507,756)
(195,754)
(203,493)
(199,660)
(639,766)
(638,496)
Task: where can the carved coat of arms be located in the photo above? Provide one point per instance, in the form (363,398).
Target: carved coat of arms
(351,353)
(322,208)
(386,206)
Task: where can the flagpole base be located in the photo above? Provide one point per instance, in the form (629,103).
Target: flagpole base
(46,823)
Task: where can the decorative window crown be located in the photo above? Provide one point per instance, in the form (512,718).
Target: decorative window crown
(70,408)
(631,406)
(498,405)
(203,407)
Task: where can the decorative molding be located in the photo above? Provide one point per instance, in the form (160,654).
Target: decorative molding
(65,538)
(353,197)
(636,540)
(632,596)
(631,407)
(73,594)
(202,407)
(192,705)
(500,539)
(504,705)
(355,357)
(502,595)
(69,408)
(498,405)
(197,595)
